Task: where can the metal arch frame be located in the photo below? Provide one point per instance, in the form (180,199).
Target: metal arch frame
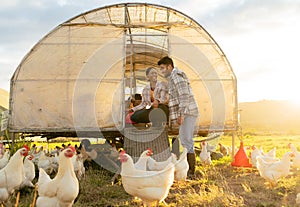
(168,25)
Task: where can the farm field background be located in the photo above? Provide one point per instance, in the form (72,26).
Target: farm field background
(266,123)
(217,185)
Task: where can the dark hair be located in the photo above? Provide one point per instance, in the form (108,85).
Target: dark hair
(149,69)
(137,96)
(166,61)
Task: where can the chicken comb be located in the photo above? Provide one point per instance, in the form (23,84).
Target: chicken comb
(72,148)
(26,147)
(149,149)
(122,152)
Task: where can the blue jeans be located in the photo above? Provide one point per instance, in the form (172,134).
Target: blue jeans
(186,132)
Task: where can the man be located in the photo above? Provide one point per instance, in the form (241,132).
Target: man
(182,106)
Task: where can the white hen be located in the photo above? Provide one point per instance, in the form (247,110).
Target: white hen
(254,154)
(150,186)
(182,166)
(12,175)
(45,162)
(296,159)
(268,157)
(4,159)
(271,153)
(272,172)
(204,154)
(62,190)
(154,165)
(141,164)
(29,170)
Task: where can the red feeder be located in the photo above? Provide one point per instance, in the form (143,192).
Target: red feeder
(240,158)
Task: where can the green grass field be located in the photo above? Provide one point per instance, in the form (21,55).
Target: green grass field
(217,185)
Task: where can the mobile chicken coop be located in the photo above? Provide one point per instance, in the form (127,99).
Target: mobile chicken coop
(76,81)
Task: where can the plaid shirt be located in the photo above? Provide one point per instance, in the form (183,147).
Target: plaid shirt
(160,94)
(181,98)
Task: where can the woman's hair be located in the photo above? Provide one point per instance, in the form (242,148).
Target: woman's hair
(149,69)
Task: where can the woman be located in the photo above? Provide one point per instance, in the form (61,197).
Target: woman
(154,105)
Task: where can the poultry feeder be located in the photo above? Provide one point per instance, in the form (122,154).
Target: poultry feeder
(240,158)
(136,141)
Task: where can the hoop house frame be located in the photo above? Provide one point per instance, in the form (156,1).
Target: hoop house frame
(77,79)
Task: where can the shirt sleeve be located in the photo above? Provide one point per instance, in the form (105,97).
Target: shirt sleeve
(144,101)
(182,86)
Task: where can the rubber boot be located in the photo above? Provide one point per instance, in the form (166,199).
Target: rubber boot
(191,158)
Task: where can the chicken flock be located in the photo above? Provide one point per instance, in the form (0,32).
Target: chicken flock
(18,171)
(155,178)
(147,179)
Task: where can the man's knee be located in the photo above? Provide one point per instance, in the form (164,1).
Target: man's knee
(157,115)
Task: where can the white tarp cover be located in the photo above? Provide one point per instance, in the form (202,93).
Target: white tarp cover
(4,98)
(75,77)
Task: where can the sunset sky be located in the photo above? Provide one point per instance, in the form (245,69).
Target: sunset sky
(260,38)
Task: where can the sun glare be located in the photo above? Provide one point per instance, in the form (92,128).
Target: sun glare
(295,102)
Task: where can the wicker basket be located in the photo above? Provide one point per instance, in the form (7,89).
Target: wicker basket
(138,140)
